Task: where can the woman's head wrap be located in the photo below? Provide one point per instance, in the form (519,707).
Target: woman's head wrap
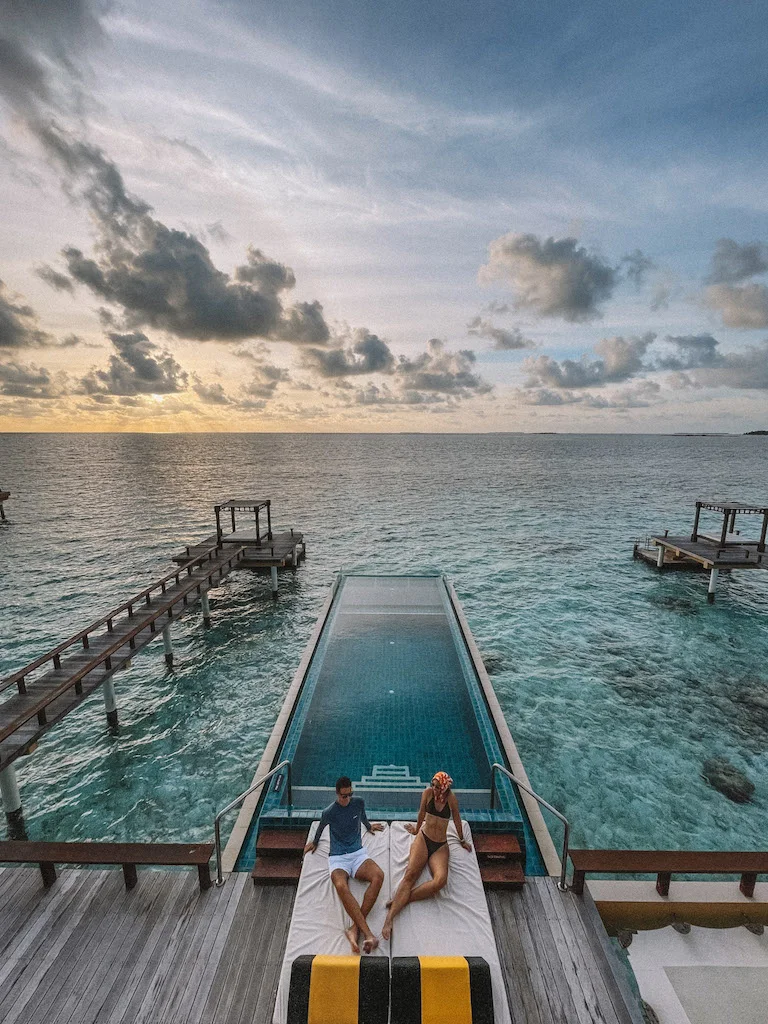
(442,782)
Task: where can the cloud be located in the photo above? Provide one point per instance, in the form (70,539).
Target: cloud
(503,339)
(553,278)
(164,278)
(19,327)
(367,353)
(638,396)
(27,381)
(636,265)
(732,262)
(620,359)
(60,282)
(212,394)
(745,306)
(137,367)
(692,350)
(439,372)
(745,370)
(264,381)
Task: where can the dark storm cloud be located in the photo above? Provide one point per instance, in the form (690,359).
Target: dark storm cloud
(739,305)
(164,278)
(19,327)
(733,263)
(551,277)
(367,353)
(52,277)
(619,359)
(18,380)
(437,371)
(137,367)
(504,340)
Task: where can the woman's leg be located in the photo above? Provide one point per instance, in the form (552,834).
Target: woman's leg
(438,866)
(417,858)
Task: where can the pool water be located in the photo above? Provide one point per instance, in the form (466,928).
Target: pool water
(390,697)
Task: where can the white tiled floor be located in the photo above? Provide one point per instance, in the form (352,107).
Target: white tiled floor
(710,976)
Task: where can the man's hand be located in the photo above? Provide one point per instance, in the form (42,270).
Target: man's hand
(410,827)
(467,846)
(310,848)
(377,826)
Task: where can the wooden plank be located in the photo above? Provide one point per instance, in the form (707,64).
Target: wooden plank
(98,922)
(676,861)
(584,999)
(17,900)
(262,988)
(592,954)
(24,852)
(534,940)
(191,1006)
(516,959)
(135,973)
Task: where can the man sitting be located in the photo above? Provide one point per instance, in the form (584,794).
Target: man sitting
(349,858)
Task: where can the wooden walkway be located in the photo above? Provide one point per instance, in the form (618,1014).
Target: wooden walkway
(50,687)
(557,959)
(260,552)
(87,951)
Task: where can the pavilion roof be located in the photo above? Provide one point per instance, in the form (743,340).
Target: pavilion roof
(719,505)
(245,504)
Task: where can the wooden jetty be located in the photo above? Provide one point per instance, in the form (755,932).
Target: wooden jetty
(88,951)
(43,692)
(707,552)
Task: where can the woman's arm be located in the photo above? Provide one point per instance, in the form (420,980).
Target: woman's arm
(414,829)
(453,803)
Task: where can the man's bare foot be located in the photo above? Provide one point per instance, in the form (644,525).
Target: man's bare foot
(351,934)
(386,931)
(370,944)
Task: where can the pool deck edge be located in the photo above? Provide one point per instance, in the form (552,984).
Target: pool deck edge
(244,818)
(541,832)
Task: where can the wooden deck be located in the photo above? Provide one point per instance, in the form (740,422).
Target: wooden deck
(281,550)
(89,952)
(59,681)
(557,959)
(730,556)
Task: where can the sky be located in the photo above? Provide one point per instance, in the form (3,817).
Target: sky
(390,216)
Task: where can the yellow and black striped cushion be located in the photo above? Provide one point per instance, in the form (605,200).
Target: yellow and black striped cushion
(339,990)
(441,990)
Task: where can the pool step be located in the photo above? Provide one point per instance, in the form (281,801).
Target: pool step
(281,842)
(501,860)
(276,870)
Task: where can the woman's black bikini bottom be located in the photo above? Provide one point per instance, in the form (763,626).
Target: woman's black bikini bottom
(432,846)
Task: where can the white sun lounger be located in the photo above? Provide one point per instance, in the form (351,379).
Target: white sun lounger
(455,922)
(319,920)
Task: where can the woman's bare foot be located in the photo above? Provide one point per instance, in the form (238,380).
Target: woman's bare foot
(370,944)
(351,934)
(386,931)
(389,903)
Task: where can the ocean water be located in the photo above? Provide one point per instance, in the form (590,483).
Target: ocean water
(617,682)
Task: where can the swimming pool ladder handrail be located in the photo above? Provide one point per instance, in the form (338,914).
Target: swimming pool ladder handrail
(239,800)
(562,885)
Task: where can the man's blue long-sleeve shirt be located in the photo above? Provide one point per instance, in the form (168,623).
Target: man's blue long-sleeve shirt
(345,826)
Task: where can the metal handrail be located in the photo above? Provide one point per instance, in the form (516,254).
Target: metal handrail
(562,885)
(239,800)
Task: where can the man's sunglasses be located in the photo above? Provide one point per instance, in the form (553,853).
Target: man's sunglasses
(345,796)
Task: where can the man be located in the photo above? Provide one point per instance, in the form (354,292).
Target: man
(349,858)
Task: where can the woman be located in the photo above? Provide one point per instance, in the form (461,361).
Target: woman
(438,806)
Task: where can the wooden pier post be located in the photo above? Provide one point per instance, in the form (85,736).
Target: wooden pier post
(110,704)
(660,557)
(763,532)
(2,512)
(206,607)
(695,533)
(168,645)
(724,531)
(273,581)
(712,583)
(9,790)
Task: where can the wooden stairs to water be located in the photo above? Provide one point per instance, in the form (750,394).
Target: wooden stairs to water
(279,852)
(501,860)
(278,856)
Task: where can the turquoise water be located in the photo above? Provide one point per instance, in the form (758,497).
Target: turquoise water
(617,683)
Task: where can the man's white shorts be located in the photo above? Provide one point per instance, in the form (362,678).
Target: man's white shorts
(349,862)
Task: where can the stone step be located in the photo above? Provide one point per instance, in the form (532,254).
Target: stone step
(281,842)
(276,871)
(504,875)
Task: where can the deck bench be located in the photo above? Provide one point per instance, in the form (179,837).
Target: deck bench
(127,855)
(663,863)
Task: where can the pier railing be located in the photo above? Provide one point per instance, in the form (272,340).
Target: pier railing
(236,803)
(496,767)
(129,607)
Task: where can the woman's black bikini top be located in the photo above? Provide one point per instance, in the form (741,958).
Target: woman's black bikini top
(445,813)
